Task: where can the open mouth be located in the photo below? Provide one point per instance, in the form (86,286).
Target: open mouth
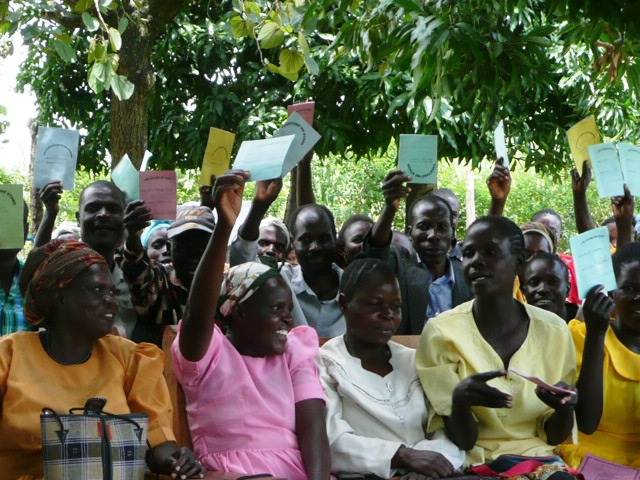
(281,333)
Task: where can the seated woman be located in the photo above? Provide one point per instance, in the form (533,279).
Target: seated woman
(71,295)
(608,415)
(465,355)
(545,284)
(376,408)
(254,399)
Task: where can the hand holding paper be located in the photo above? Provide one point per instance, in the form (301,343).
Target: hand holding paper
(501,144)
(159,192)
(56,156)
(305,109)
(263,159)
(12,215)
(580,136)
(217,154)
(127,178)
(592,258)
(418,157)
(305,139)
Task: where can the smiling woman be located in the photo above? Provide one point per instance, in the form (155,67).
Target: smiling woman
(69,292)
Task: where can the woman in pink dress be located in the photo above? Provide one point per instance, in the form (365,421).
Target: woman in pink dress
(254,399)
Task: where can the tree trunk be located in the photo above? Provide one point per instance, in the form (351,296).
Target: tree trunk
(35,205)
(130,118)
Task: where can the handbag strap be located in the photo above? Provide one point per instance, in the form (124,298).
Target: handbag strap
(63,432)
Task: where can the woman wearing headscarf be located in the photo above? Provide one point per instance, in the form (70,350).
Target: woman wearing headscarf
(71,297)
(254,399)
(155,242)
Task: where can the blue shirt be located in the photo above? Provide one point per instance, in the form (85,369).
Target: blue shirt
(441,293)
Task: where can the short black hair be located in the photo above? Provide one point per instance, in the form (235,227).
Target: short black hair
(433,198)
(106,184)
(318,208)
(355,218)
(553,258)
(357,271)
(628,253)
(547,211)
(507,229)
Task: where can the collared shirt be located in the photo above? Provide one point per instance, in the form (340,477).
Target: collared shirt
(12,318)
(452,348)
(617,438)
(323,315)
(369,417)
(441,293)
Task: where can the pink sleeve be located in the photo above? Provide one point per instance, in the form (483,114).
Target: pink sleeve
(193,373)
(302,352)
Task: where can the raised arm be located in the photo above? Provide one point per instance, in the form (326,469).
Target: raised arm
(580,184)
(304,194)
(199,317)
(499,183)
(266,193)
(50,197)
(394,189)
(597,313)
(624,213)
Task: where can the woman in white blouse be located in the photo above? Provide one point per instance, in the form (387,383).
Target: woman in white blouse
(376,407)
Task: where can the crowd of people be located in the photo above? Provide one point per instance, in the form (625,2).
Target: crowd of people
(285,344)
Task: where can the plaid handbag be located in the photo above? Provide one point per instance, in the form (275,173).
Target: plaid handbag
(93,445)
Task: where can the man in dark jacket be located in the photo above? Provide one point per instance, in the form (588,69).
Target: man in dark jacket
(431,281)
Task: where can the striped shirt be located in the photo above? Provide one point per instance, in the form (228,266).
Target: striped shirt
(12,317)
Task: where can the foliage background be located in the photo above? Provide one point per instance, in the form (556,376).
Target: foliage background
(348,186)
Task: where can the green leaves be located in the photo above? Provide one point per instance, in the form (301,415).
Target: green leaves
(270,35)
(122,87)
(114,39)
(64,49)
(90,22)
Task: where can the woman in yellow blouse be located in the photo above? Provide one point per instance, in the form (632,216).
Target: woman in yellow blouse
(71,294)
(465,354)
(608,411)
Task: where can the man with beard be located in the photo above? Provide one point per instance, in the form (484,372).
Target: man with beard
(431,281)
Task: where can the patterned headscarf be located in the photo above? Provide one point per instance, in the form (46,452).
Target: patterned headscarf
(241,282)
(50,268)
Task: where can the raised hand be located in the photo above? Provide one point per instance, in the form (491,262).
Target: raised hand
(623,206)
(597,310)
(50,196)
(558,401)
(580,183)
(422,462)
(227,195)
(474,391)
(267,191)
(499,182)
(394,188)
(206,200)
(136,217)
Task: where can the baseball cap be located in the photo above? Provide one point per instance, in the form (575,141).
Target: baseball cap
(190,217)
